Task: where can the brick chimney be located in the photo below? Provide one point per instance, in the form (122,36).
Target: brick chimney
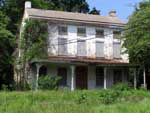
(112,13)
(27,4)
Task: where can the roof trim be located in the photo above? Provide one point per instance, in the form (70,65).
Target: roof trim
(77,21)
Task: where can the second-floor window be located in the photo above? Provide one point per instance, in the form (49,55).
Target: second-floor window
(81,48)
(99,33)
(99,49)
(62,46)
(116,34)
(117,50)
(81,31)
(62,30)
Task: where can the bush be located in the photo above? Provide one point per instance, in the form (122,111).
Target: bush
(82,98)
(121,87)
(48,82)
(109,96)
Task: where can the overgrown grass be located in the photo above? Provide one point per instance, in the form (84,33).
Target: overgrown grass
(74,102)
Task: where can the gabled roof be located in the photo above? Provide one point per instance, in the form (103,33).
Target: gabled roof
(73,17)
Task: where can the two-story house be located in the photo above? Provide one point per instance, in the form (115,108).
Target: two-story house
(85,50)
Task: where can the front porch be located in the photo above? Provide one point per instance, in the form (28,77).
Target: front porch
(77,75)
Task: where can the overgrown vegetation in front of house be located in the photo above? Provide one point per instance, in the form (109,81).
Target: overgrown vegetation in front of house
(64,101)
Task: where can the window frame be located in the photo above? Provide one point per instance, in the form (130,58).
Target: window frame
(61,28)
(116,34)
(81,34)
(101,33)
(62,45)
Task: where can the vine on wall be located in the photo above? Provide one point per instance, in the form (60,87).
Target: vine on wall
(33,40)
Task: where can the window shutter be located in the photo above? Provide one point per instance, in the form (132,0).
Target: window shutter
(99,49)
(62,46)
(81,48)
(116,50)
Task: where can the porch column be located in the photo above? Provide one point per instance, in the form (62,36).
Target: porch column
(105,77)
(72,78)
(135,79)
(144,79)
(37,75)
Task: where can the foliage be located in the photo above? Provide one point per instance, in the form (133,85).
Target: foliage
(33,40)
(95,11)
(48,82)
(137,35)
(64,102)
(109,96)
(121,87)
(82,98)
(6,41)
(11,13)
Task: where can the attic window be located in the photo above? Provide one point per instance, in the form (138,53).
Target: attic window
(81,32)
(99,33)
(116,34)
(62,30)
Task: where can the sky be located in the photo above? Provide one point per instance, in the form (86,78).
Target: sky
(124,8)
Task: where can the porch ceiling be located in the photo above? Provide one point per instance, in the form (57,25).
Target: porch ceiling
(83,61)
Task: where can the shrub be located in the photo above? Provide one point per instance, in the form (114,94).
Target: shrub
(49,82)
(82,98)
(109,96)
(121,87)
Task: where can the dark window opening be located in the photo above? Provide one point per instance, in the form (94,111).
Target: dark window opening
(62,30)
(116,34)
(99,33)
(100,76)
(62,72)
(117,76)
(81,32)
(43,71)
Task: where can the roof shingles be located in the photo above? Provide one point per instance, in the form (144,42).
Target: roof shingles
(69,16)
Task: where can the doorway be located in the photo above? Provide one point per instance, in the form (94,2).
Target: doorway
(81,77)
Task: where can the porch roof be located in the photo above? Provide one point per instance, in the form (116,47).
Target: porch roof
(83,61)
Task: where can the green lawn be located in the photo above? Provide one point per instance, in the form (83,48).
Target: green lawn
(73,102)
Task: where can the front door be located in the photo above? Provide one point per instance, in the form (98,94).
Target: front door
(81,77)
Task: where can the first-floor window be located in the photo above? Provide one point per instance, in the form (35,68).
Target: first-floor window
(62,72)
(99,76)
(117,76)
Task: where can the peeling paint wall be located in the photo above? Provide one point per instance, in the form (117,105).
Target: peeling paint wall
(90,41)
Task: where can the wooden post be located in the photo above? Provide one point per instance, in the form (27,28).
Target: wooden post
(105,77)
(37,75)
(144,78)
(135,79)
(72,78)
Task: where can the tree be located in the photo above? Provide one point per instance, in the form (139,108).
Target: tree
(137,36)
(6,41)
(13,9)
(95,11)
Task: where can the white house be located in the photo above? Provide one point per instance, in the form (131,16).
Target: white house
(84,49)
